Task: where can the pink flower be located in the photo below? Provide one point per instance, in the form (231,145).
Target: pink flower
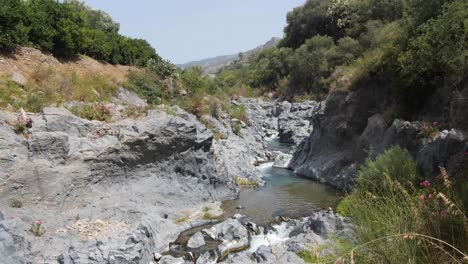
(108,107)
(39,222)
(425,183)
(435,123)
(429,196)
(422,197)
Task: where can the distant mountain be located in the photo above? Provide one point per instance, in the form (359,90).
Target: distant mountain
(213,65)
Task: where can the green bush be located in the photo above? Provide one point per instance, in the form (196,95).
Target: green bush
(13,32)
(67,29)
(399,221)
(148,86)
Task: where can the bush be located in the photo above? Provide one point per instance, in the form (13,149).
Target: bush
(400,220)
(240,113)
(148,86)
(97,111)
(16,203)
(13,32)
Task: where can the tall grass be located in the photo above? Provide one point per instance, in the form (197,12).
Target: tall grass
(51,87)
(401,218)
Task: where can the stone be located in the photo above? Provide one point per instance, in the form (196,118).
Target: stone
(282,160)
(126,97)
(196,240)
(171,260)
(209,257)
(18,78)
(264,254)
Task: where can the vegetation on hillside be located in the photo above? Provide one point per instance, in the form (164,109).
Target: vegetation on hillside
(409,47)
(67,29)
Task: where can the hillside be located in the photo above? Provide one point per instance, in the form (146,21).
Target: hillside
(29,62)
(213,65)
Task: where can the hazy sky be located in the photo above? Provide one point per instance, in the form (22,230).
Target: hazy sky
(186,30)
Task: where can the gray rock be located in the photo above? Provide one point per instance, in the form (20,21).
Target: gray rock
(210,257)
(263,254)
(234,236)
(196,240)
(18,78)
(346,133)
(171,260)
(282,160)
(126,97)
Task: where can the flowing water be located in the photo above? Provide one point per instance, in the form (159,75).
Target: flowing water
(285,194)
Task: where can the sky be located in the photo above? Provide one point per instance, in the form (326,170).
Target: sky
(188,30)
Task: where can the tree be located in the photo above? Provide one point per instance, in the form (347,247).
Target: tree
(310,20)
(13,31)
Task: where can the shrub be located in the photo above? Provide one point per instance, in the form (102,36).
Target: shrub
(15,203)
(12,29)
(96,111)
(244,182)
(239,112)
(428,130)
(148,86)
(20,127)
(37,229)
(398,221)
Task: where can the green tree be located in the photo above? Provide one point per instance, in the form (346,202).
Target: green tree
(13,31)
(307,21)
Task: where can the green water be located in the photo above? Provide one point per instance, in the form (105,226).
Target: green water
(284,194)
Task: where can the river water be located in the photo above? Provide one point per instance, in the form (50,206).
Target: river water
(285,194)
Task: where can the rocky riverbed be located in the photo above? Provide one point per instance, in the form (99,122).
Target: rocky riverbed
(116,192)
(133,189)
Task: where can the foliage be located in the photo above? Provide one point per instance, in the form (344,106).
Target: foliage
(161,68)
(37,228)
(401,218)
(15,203)
(437,55)
(244,182)
(148,86)
(96,111)
(429,131)
(67,29)
(240,113)
(12,28)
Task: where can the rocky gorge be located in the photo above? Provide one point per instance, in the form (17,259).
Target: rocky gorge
(123,191)
(117,192)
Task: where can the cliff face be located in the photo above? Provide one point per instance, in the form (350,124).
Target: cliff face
(347,130)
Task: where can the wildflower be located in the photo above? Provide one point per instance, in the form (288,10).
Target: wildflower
(425,183)
(422,197)
(39,222)
(430,196)
(108,107)
(435,123)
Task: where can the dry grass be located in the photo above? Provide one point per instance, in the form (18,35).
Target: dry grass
(27,60)
(91,229)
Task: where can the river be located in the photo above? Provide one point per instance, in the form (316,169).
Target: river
(284,194)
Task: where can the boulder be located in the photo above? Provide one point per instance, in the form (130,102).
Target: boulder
(18,78)
(126,97)
(282,160)
(233,234)
(196,240)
